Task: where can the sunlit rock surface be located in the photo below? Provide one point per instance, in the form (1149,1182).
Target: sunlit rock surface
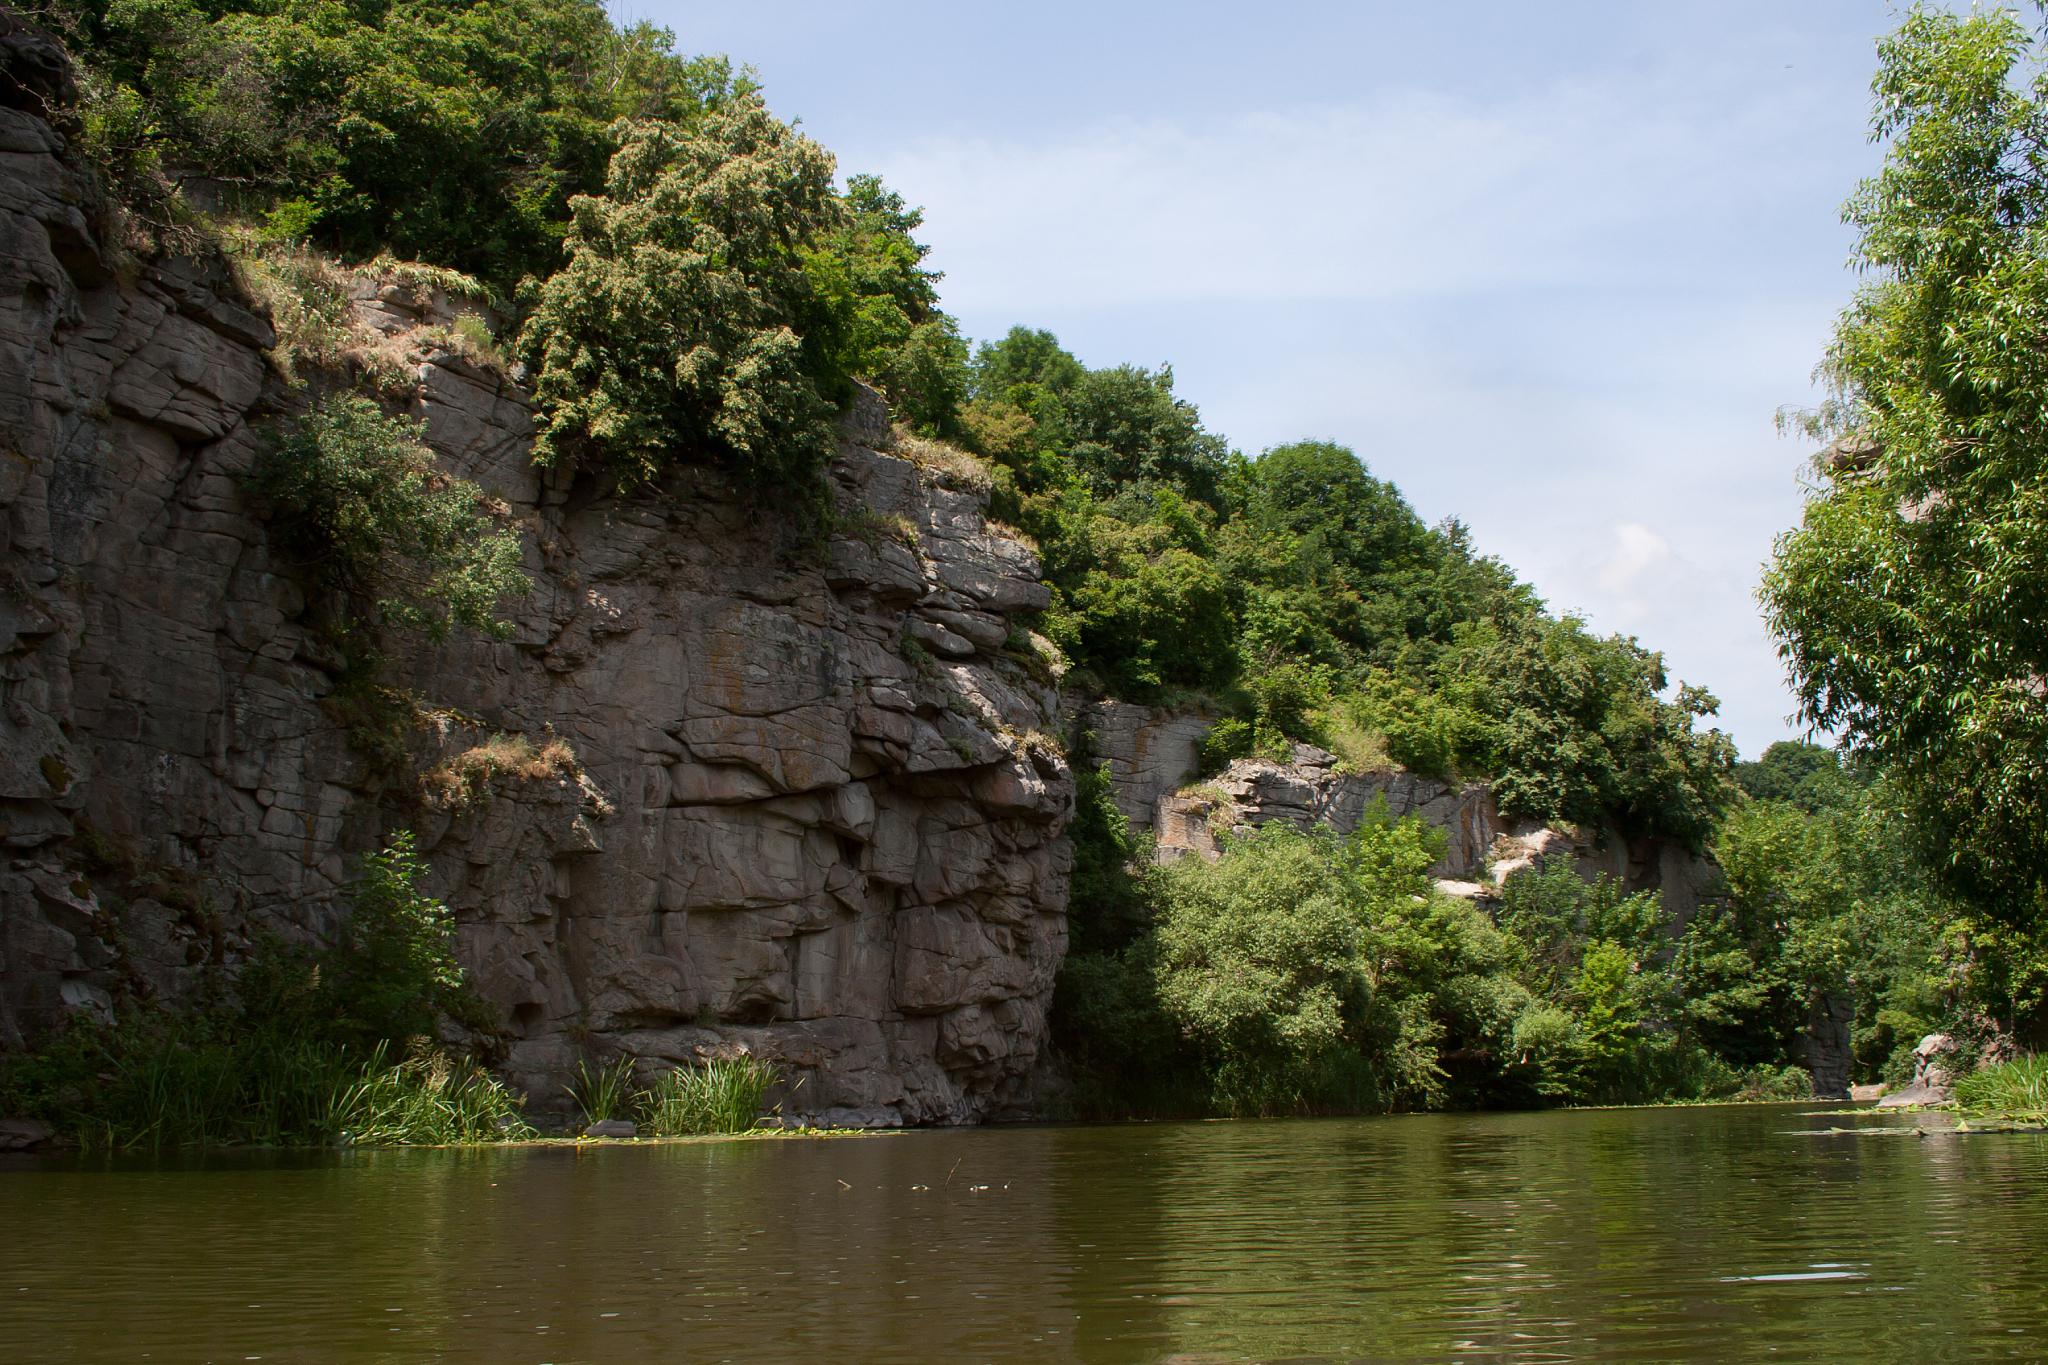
(814,808)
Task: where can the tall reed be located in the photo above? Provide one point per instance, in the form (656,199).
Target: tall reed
(718,1095)
(605,1092)
(428,1099)
(2016,1090)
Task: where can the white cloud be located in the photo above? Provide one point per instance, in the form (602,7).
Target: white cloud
(1637,551)
(1400,194)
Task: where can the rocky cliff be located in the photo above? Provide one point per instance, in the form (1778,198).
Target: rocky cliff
(783,792)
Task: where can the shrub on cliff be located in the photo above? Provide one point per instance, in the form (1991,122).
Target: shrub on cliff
(355,495)
(677,328)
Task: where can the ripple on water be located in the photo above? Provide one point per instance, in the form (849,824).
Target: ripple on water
(1571,1236)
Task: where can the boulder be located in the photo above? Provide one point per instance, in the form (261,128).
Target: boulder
(1932,1083)
(24,1135)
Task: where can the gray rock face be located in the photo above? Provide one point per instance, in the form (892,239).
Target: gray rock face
(1482,850)
(24,1135)
(1312,790)
(783,829)
(1830,1054)
(1151,752)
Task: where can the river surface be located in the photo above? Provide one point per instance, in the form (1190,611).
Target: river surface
(1714,1233)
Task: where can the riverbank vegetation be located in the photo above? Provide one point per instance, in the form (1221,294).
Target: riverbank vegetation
(306,1042)
(2008,1092)
(685,278)
(338,1043)
(718,1094)
(1314,973)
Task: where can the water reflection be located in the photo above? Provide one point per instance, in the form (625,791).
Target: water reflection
(1595,1235)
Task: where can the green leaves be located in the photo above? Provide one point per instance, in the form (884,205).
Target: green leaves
(1911,605)
(672,333)
(449,132)
(355,495)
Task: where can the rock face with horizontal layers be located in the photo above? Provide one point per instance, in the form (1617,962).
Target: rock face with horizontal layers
(774,790)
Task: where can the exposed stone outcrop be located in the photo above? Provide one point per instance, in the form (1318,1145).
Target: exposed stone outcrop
(1830,1054)
(1933,1082)
(1313,789)
(1151,751)
(1481,850)
(810,809)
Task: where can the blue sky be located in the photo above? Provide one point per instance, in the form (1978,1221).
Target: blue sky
(1550,269)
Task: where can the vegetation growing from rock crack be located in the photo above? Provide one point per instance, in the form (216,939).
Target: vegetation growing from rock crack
(301,1043)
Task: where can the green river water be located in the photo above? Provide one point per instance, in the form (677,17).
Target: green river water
(1662,1234)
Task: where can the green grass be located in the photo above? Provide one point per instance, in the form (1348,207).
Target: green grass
(179,1086)
(173,1087)
(603,1093)
(428,1099)
(2013,1092)
(721,1095)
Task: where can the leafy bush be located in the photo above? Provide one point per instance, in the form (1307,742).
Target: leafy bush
(1260,966)
(676,327)
(391,974)
(355,495)
(292,1048)
(717,1095)
(1308,971)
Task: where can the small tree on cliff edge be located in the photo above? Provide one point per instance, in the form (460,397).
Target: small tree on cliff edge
(677,326)
(1912,603)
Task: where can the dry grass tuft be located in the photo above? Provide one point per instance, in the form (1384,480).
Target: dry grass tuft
(1359,748)
(948,466)
(309,296)
(465,779)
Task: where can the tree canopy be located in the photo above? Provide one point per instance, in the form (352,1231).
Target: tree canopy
(678,324)
(452,131)
(1911,604)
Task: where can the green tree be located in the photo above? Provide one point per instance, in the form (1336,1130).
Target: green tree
(453,131)
(1260,965)
(356,497)
(879,309)
(1910,603)
(1809,776)
(391,974)
(677,329)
